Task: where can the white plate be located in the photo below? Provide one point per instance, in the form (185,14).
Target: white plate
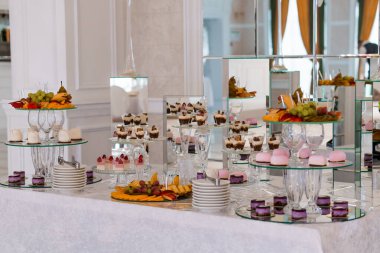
(209,183)
(210,189)
(69,174)
(208,203)
(68,178)
(69,182)
(209,206)
(68,190)
(210,198)
(70,171)
(202,193)
(79,184)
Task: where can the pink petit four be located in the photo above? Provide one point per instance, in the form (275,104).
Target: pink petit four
(263,157)
(317,160)
(337,156)
(279,160)
(369,126)
(304,153)
(281,151)
(223,174)
(251,121)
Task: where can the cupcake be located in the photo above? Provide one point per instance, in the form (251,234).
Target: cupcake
(228,143)
(244,127)
(153,132)
(178,106)
(256,143)
(167,108)
(140,133)
(274,142)
(137,120)
(200,120)
(239,144)
(144,118)
(190,107)
(121,133)
(169,135)
(173,109)
(128,119)
(236,128)
(184,119)
(220,118)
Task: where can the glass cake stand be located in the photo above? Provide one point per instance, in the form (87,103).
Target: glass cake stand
(300,178)
(118,174)
(278,216)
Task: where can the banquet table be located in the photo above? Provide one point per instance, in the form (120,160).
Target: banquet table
(90,221)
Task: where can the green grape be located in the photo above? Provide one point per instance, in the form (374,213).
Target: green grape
(293,111)
(30,95)
(305,113)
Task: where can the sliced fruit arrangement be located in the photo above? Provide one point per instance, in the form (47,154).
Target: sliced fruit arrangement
(43,100)
(238,92)
(152,190)
(338,80)
(299,111)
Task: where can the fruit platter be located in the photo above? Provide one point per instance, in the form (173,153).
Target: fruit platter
(238,92)
(42,100)
(338,80)
(152,191)
(299,110)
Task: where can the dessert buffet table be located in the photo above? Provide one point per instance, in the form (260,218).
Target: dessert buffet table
(44,221)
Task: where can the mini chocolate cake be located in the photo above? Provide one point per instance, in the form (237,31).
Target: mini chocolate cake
(89,174)
(236,179)
(299,214)
(256,202)
(278,210)
(325,210)
(368,160)
(341,203)
(280,201)
(339,212)
(262,210)
(37,180)
(200,175)
(323,201)
(20,173)
(14,179)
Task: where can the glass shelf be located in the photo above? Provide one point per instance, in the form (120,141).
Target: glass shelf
(47,109)
(116,172)
(245,151)
(28,183)
(204,127)
(237,98)
(302,165)
(319,56)
(24,144)
(345,147)
(365,132)
(136,141)
(364,99)
(354,214)
(304,122)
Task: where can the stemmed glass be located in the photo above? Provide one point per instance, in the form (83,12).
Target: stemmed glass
(33,120)
(313,182)
(294,137)
(314,135)
(294,181)
(46,120)
(202,146)
(185,135)
(59,121)
(235,108)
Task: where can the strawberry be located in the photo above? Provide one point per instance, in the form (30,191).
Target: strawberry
(99,160)
(32,105)
(122,156)
(104,156)
(17,104)
(111,158)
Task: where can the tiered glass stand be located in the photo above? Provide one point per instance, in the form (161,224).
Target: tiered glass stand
(45,153)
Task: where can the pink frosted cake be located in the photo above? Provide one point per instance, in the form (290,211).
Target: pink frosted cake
(279,160)
(337,156)
(223,174)
(263,157)
(281,151)
(317,160)
(304,153)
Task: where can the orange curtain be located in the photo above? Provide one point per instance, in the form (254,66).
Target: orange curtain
(368,18)
(284,18)
(305,20)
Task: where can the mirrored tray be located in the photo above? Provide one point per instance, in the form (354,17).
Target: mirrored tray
(304,122)
(28,183)
(24,144)
(302,165)
(354,214)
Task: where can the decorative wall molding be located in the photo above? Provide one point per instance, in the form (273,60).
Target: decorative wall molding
(193,46)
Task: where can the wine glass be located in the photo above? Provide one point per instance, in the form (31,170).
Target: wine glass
(314,135)
(313,180)
(185,135)
(202,146)
(235,108)
(33,120)
(46,120)
(294,137)
(294,181)
(59,121)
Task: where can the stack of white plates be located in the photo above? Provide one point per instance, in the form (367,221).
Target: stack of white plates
(208,196)
(66,178)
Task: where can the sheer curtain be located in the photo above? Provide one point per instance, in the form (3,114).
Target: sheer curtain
(284,18)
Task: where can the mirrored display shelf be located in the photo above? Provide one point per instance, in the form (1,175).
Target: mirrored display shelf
(302,164)
(25,144)
(353,214)
(27,183)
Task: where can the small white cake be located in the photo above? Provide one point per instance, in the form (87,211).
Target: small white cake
(33,137)
(75,134)
(15,135)
(63,136)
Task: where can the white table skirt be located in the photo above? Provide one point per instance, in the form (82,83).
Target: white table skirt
(38,221)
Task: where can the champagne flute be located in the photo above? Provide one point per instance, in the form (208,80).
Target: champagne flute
(46,120)
(294,137)
(314,135)
(59,121)
(202,147)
